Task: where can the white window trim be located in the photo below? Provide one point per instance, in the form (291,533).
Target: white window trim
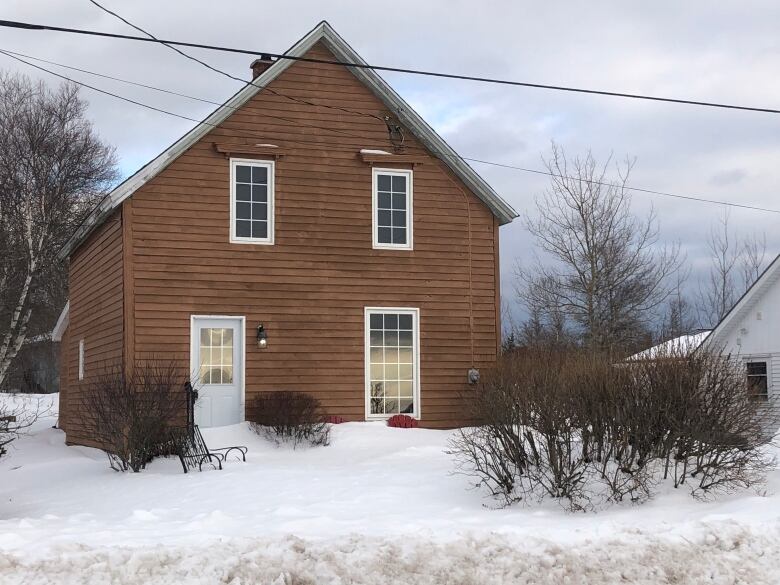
(271,166)
(81,359)
(767,359)
(194,340)
(409,208)
(415,313)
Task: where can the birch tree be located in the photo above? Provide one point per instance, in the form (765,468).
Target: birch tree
(53,168)
(601,267)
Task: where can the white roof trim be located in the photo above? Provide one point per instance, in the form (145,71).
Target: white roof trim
(343,52)
(769,275)
(62,323)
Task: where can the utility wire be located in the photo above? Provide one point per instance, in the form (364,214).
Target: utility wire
(163,111)
(18,56)
(35,26)
(220,71)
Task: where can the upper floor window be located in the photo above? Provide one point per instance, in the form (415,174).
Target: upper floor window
(392,208)
(251,201)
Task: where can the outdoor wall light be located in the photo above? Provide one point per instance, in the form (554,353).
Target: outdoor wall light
(473,376)
(262,337)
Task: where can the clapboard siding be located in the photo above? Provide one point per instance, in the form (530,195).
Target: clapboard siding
(96,316)
(310,288)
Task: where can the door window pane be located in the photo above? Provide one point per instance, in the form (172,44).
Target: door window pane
(216,355)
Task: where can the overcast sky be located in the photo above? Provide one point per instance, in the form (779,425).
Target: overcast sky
(725,52)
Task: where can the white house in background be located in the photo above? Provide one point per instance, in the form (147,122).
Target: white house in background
(750,331)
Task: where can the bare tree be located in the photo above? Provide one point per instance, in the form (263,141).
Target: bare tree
(680,316)
(735,265)
(603,270)
(53,167)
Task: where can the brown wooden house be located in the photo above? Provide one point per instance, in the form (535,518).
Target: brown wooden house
(313,234)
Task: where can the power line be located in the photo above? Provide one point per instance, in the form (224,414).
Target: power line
(35,26)
(17,56)
(13,55)
(638,189)
(220,71)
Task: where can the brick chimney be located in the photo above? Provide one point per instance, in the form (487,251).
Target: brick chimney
(258,66)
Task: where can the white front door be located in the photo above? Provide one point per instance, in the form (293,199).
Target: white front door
(218,370)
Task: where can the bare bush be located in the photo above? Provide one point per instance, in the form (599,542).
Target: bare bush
(288,416)
(16,418)
(575,427)
(130,414)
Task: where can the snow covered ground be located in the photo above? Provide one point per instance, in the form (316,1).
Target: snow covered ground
(379,505)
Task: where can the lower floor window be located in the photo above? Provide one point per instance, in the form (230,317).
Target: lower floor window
(391,361)
(758,380)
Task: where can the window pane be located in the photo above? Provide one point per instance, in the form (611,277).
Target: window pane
(259,229)
(405,372)
(377,406)
(375,338)
(391,355)
(259,175)
(243,173)
(399,235)
(405,338)
(243,229)
(756,368)
(384,218)
(391,338)
(227,356)
(242,210)
(377,371)
(384,201)
(391,406)
(391,373)
(377,389)
(383,182)
(243,192)
(399,218)
(399,184)
(391,321)
(377,355)
(205,338)
(405,355)
(259,193)
(375,321)
(227,374)
(227,337)
(384,235)
(404,322)
(399,202)
(406,406)
(259,211)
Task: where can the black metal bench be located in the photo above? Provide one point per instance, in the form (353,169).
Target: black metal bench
(188,443)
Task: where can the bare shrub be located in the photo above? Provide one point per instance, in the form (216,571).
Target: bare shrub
(573,426)
(130,414)
(287,416)
(16,416)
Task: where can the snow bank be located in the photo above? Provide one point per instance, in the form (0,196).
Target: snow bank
(717,556)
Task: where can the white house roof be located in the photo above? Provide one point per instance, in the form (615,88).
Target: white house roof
(767,279)
(324,33)
(678,347)
(62,323)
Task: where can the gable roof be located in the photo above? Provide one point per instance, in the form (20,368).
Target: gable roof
(747,300)
(676,347)
(324,33)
